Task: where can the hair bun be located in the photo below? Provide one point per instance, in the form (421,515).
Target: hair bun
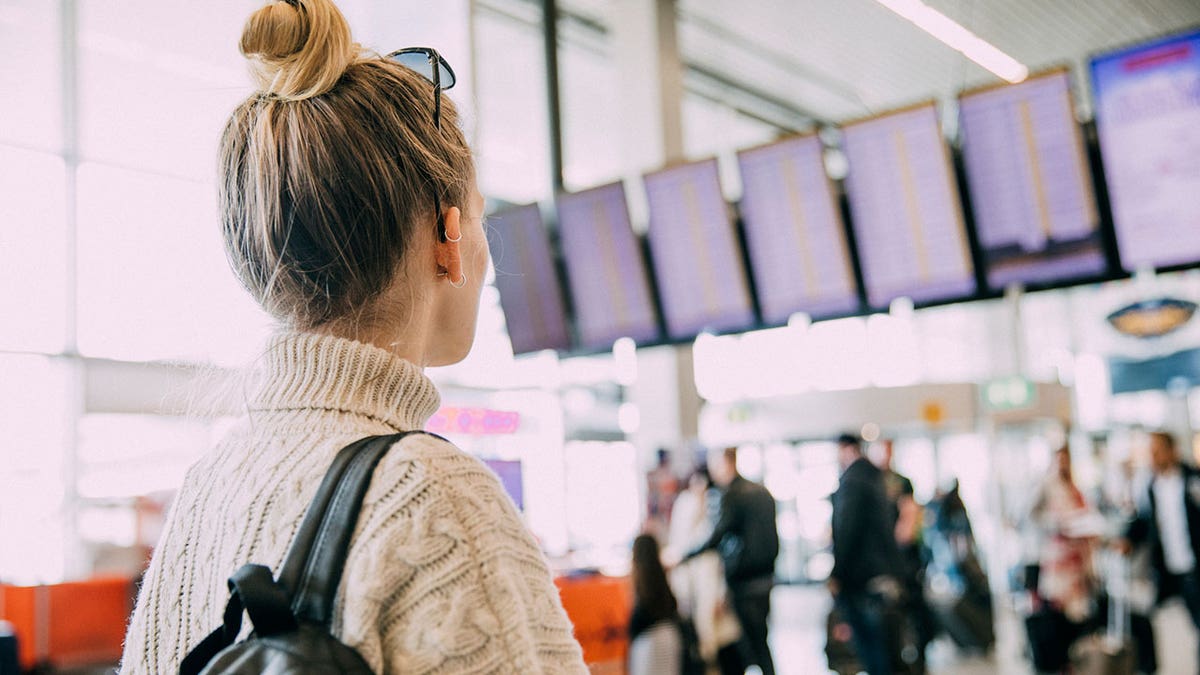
(298,48)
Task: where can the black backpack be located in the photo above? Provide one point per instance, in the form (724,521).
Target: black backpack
(292,615)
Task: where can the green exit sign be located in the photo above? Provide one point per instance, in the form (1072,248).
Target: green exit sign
(1009,393)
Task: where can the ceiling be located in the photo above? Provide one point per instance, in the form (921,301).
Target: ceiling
(835,60)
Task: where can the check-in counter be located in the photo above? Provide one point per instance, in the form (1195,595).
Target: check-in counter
(599,608)
(71,624)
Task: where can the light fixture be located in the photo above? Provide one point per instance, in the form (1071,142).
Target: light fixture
(959,38)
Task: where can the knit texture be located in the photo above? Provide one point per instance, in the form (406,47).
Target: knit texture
(442,576)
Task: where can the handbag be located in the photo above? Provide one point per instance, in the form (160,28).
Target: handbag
(292,614)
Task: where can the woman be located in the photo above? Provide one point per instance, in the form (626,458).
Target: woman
(1065,579)
(350,212)
(699,584)
(655,641)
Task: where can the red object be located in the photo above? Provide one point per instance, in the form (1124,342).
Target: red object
(71,624)
(1158,57)
(599,608)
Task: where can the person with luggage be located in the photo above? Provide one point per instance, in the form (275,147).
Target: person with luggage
(699,584)
(906,515)
(747,540)
(350,211)
(1066,582)
(865,557)
(959,594)
(1168,524)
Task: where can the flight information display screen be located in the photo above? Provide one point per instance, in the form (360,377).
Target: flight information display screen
(606,272)
(907,214)
(1031,189)
(509,473)
(1147,101)
(795,236)
(697,259)
(530,293)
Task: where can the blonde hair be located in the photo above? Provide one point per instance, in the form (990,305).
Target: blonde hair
(329,171)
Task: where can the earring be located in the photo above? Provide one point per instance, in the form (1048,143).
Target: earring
(455,241)
(461,282)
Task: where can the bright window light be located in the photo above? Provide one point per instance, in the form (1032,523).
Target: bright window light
(35,395)
(33,248)
(153,279)
(954,35)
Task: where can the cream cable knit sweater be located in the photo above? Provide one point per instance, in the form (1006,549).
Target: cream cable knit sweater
(442,576)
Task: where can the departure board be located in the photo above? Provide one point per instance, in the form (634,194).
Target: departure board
(794,232)
(1031,189)
(530,293)
(697,259)
(906,211)
(1147,102)
(606,273)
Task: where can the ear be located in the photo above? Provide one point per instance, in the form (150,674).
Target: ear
(448,252)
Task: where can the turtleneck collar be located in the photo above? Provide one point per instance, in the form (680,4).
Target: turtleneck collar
(303,371)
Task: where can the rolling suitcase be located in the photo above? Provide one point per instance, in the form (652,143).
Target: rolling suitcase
(1111,652)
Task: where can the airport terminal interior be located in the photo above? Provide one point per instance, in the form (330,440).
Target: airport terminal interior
(959,237)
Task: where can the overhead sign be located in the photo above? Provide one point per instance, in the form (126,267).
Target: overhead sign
(474,421)
(1009,393)
(1152,318)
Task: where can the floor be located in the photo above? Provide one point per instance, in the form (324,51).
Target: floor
(798,640)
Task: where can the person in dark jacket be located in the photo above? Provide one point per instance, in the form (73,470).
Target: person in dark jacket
(1168,521)
(747,540)
(865,558)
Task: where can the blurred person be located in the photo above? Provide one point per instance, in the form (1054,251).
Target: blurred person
(350,211)
(1168,524)
(1065,577)
(1065,588)
(906,518)
(865,558)
(747,540)
(662,488)
(655,639)
(699,584)
(959,593)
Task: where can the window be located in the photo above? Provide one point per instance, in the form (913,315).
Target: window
(31,74)
(33,251)
(513,150)
(35,413)
(154,96)
(591,113)
(153,280)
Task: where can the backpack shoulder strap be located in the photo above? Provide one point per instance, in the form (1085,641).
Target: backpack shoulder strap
(313,568)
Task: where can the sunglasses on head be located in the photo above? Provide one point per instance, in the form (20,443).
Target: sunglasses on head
(426,62)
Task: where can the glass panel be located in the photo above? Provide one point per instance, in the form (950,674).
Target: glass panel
(603,497)
(152,94)
(153,279)
(125,456)
(33,263)
(513,148)
(591,113)
(31,73)
(34,409)
(713,129)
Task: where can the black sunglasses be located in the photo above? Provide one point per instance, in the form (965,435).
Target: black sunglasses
(427,63)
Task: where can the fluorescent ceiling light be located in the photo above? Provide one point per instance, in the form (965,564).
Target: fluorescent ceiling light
(956,36)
